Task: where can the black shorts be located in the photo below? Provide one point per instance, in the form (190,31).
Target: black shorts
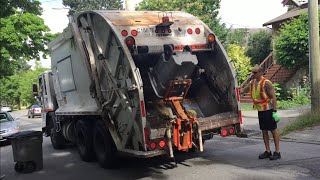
(266,121)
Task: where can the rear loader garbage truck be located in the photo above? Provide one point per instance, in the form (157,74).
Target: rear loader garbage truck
(142,84)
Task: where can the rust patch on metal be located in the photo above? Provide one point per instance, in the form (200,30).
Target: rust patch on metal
(145,18)
(217,121)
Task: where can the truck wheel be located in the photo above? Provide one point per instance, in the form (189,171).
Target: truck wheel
(57,139)
(104,146)
(84,140)
(19,167)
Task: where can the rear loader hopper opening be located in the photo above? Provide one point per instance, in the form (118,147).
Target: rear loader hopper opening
(205,97)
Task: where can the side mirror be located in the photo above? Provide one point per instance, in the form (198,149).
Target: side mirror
(16,119)
(35,89)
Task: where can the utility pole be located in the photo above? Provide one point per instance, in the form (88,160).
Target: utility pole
(126,4)
(314,55)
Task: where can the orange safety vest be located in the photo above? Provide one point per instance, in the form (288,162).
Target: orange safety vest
(261,100)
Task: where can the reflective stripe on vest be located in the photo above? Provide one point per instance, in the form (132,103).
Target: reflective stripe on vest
(261,101)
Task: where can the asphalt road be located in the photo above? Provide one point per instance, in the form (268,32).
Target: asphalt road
(26,123)
(224,158)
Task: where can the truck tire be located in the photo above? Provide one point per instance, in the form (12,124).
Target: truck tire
(104,146)
(57,139)
(84,140)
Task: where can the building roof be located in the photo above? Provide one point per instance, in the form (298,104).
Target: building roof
(286,16)
(291,2)
(303,8)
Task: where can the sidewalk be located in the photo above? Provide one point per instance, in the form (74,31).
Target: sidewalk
(308,135)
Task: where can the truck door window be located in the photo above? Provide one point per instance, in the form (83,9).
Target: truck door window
(65,75)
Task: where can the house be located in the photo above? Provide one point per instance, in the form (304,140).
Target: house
(290,78)
(295,9)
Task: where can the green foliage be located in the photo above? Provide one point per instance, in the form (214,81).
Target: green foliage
(206,10)
(239,61)
(237,36)
(259,46)
(9,7)
(282,92)
(292,43)
(23,34)
(22,37)
(80,5)
(17,89)
(246,107)
(309,119)
(303,98)
(277,89)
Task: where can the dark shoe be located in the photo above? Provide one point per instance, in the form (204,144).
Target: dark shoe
(276,155)
(265,155)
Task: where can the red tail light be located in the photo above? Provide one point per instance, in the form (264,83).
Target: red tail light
(165,19)
(231,131)
(124,33)
(153,145)
(143,110)
(224,132)
(162,144)
(189,31)
(130,41)
(146,135)
(197,30)
(237,94)
(134,32)
(240,116)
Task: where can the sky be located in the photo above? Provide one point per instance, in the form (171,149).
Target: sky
(235,13)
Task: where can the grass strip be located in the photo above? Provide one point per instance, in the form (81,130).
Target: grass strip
(305,120)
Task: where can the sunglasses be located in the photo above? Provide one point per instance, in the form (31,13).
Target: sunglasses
(255,72)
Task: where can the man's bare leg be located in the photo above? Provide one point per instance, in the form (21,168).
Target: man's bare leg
(275,135)
(266,139)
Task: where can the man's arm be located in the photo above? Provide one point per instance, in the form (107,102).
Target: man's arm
(272,94)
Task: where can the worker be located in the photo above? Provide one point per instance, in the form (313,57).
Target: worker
(265,101)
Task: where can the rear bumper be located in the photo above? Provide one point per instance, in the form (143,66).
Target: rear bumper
(218,121)
(141,154)
(36,114)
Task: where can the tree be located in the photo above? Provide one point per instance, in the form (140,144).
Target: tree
(259,46)
(239,61)
(206,10)
(29,77)
(9,7)
(17,89)
(23,34)
(291,45)
(237,36)
(81,5)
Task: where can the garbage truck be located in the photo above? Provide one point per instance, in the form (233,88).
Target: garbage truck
(137,83)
